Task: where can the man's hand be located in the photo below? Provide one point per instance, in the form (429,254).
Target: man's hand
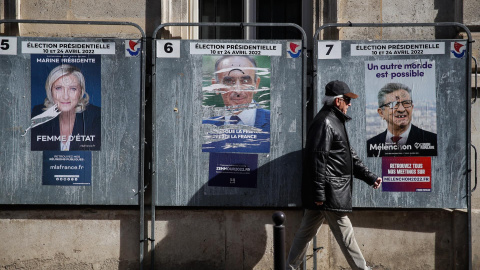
(319,203)
(377,183)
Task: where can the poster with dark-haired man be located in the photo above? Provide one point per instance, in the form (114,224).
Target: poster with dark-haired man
(236,104)
(401,108)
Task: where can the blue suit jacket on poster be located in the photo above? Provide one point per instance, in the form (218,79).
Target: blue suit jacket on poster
(416,140)
(87,122)
(262,120)
(261,143)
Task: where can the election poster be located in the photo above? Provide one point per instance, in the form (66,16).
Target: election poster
(65,102)
(236,104)
(233,170)
(407,174)
(72,168)
(401,112)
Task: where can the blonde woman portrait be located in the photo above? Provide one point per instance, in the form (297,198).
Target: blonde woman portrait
(78,124)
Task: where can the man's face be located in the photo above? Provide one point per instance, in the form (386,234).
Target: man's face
(343,104)
(237,78)
(399,117)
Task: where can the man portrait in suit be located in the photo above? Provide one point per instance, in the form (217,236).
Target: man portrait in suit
(237,122)
(401,138)
(237,82)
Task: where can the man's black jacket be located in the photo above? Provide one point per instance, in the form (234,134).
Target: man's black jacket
(330,163)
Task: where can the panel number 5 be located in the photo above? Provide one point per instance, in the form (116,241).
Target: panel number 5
(8,45)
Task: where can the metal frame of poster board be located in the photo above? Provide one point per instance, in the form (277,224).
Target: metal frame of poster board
(303,82)
(468,94)
(141,112)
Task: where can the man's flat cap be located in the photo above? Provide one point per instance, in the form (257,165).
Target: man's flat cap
(337,88)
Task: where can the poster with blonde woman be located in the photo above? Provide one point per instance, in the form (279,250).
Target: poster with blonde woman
(66,100)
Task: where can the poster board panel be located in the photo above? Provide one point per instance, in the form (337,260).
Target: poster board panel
(228,123)
(410,120)
(70,116)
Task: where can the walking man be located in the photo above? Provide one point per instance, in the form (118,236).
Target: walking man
(330,165)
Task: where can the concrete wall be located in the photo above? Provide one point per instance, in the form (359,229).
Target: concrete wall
(80,10)
(107,238)
(65,237)
(68,238)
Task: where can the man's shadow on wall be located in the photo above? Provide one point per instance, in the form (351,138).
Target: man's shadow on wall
(232,237)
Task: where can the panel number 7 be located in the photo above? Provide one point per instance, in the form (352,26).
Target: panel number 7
(329,50)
